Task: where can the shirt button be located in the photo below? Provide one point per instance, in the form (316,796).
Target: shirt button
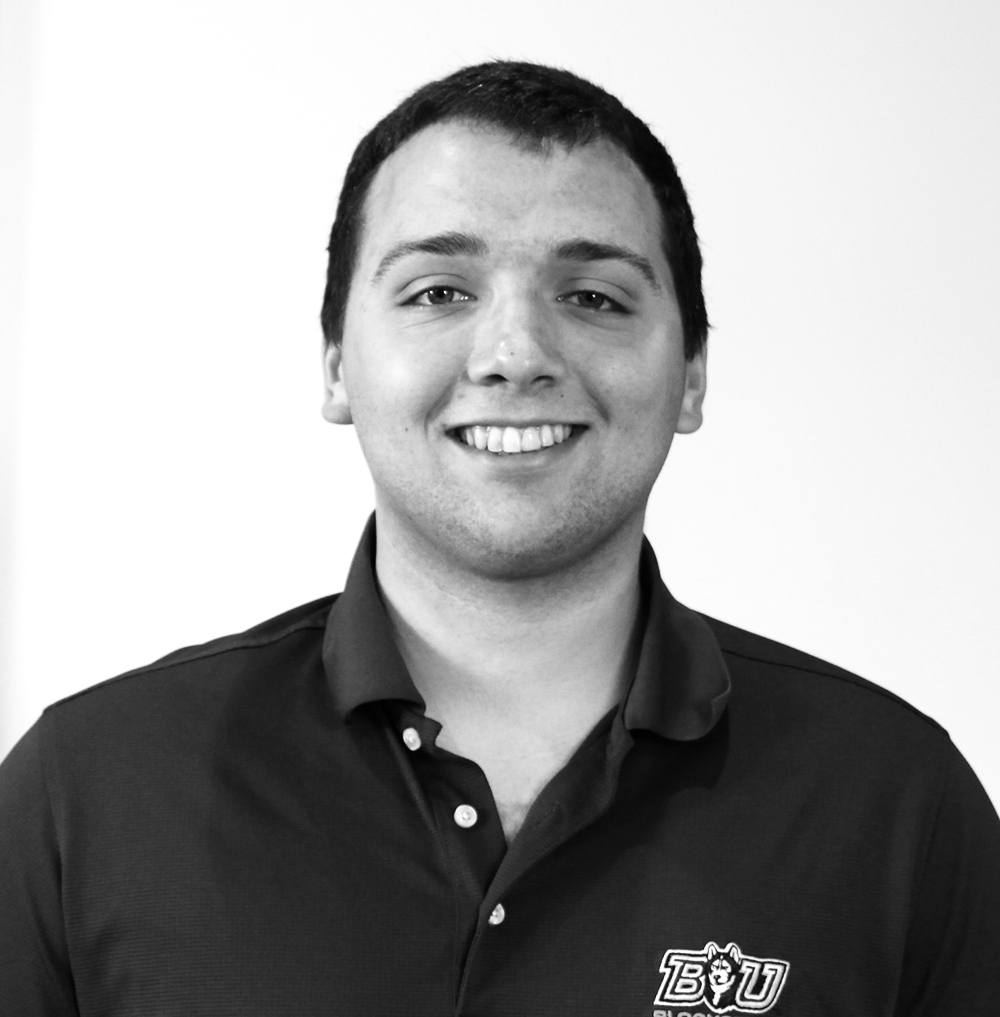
(411,739)
(497,915)
(466,816)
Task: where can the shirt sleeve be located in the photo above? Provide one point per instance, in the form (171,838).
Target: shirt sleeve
(35,979)
(951,968)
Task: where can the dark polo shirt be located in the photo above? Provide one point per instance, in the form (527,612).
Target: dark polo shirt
(263,825)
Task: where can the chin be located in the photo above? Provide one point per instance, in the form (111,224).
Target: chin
(525,548)
(512,538)
(513,560)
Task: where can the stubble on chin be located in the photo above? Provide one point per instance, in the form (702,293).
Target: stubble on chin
(507,546)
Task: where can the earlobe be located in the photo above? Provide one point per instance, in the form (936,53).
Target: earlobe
(695,380)
(336,406)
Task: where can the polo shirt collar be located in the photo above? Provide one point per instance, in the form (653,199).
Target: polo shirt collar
(681,684)
(359,649)
(679,691)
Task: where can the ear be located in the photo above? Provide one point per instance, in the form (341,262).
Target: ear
(336,407)
(695,380)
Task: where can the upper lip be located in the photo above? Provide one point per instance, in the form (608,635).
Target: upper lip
(501,422)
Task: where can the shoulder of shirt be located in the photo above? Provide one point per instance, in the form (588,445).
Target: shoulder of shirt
(741,644)
(265,634)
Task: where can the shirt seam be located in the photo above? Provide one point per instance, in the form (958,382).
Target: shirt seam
(44,750)
(194,657)
(852,680)
(919,870)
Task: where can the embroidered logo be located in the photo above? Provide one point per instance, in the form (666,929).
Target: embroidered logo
(726,981)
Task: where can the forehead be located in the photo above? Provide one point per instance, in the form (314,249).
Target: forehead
(467,178)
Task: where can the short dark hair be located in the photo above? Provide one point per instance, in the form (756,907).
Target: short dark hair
(538,106)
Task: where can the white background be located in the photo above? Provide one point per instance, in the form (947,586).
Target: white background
(170,174)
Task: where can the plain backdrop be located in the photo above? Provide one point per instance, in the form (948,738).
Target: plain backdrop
(170,174)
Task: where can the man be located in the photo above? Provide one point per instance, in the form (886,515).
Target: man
(504,772)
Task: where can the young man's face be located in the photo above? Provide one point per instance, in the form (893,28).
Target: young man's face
(516,297)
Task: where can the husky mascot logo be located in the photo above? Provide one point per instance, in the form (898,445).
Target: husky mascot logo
(726,981)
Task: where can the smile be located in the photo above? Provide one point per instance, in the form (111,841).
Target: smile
(506,440)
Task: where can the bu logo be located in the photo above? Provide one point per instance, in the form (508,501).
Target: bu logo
(726,981)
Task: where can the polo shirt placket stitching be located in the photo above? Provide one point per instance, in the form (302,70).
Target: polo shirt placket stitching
(408,760)
(469,857)
(600,751)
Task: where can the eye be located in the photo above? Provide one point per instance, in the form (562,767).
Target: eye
(593,300)
(438,296)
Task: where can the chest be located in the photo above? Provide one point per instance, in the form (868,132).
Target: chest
(678,895)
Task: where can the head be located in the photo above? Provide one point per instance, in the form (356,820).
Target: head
(514,321)
(538,107)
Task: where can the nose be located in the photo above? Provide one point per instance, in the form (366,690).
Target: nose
(515,343)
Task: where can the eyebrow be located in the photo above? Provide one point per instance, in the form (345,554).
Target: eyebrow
(446,244)
(582,249)
(455,243)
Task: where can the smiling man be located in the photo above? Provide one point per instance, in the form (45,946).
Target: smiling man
(504,772)
(512,354)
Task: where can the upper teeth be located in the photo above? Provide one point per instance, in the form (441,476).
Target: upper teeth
(493,438)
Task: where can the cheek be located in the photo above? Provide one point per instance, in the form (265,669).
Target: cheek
(640,379)
(395,384)
(647,398)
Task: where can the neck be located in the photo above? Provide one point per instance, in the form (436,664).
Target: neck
(514,650)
